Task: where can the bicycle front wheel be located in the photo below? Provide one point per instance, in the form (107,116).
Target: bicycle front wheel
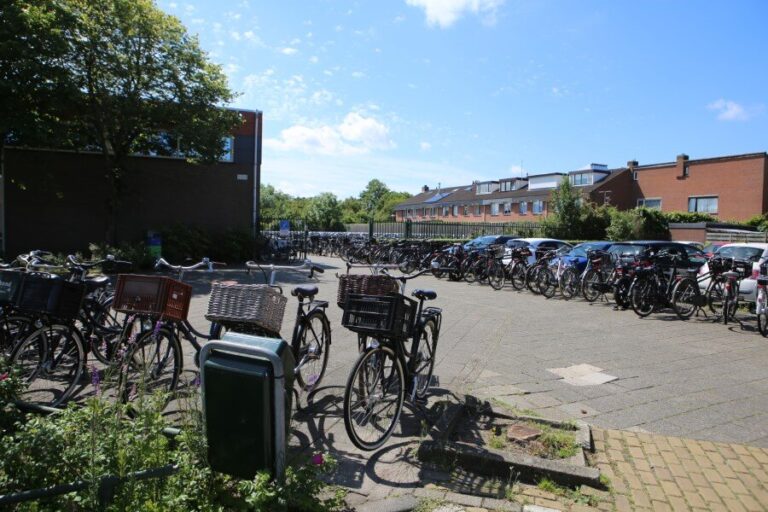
(152,365)
(51,361)
(310,348)
(517,276)
(762,323)
(373,398)
(569,283)
(684,297)
(716,297)
(642,297)
(546,282)
(496,275)
(590,287)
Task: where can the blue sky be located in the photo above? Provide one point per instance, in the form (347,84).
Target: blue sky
(421,92)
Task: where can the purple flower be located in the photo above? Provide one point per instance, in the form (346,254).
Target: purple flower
(317,459)
(158,326)
(96,379)
(196,382)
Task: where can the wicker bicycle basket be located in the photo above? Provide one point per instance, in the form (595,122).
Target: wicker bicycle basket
(152,295)
(365,285)
(249,304)
(390,316)
(10,285)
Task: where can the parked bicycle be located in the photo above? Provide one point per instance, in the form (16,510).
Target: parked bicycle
(387,369)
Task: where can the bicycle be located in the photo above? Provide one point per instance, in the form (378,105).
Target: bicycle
(687,297)
(311,338)
(652,287)
(564,277)
(723,293)
(761,300)
(386,369)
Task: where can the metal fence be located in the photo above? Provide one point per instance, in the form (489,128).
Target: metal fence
(449,230)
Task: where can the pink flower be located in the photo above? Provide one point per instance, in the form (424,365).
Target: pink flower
(317,459)
(3,376)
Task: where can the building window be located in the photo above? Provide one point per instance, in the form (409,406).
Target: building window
(707,204)
(483,188)
(507,208)
(686,171)
(652,203)
(446,210)
(538,207)
(523,208)
(229,150)
(466,210)
(581,179)
(634,175)
(506,186)
(494,208)
(455,210)
(477,210)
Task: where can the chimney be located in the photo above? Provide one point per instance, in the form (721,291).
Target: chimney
(681,166)
(425,188)
(632,164)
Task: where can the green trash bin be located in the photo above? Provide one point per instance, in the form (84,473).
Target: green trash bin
(247,390)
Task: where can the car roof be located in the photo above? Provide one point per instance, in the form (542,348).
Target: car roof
(756,245)
(535,240)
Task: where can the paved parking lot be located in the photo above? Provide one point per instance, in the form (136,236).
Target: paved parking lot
(693,379)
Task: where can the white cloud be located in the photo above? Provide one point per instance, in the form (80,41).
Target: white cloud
(358,74)
(288,51)
(399,19)
(728,110)
(173,5)
(356,135)
(313,59)
(425,146)
(295,41)
(235,35)
(321,97)
(445,13)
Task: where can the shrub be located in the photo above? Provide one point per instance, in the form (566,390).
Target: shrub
(673,217)
(136,253)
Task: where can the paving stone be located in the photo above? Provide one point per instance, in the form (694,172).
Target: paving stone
(501,505)
(464,499)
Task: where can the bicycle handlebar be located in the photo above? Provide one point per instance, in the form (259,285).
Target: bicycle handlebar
(110,258)
(205,262)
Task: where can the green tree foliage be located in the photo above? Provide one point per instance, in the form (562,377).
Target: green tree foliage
(119,76)
(638,224)
(324,213)
(372,196)
(564,220)
(352,211)
(673,217)
(386,209)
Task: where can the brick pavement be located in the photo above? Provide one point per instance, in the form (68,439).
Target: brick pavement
(691,379)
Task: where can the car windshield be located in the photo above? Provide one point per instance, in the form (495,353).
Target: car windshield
(752,254)
(517,243)
(711,249)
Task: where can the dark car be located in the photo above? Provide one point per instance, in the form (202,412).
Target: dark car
(482,242)
(692,257)
(712,248)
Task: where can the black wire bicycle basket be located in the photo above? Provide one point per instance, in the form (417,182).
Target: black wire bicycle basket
(10,285)
(46,295)
(388,316)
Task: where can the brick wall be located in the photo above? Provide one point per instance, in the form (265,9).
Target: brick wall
(739,184)
(471,216)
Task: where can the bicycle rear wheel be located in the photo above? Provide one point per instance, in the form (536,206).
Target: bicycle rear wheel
(517,276)
(642,297)
(373,398)
(425,358)
(51,361)
(716,297)
(590,287)
(152,365)
(569,283)
(310,348)
(546,282)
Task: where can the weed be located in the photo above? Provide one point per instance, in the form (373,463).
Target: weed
(575,495)
(428,505)
(606,482)
(497,442)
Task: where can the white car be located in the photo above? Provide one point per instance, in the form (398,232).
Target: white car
(754,252)
(537,246)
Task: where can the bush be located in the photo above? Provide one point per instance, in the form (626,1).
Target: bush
(136,253)
(637,224)
(86,443)
(674,217)
(183,243)
(10,387)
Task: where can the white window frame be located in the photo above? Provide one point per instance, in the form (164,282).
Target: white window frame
(446,211)
(477,210)
(642,202)
(634,175)
(507,208)
(494,209)
(523,208)
(696,200)
(540,209)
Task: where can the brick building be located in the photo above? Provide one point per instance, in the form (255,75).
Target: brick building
(56,200)
(731,188)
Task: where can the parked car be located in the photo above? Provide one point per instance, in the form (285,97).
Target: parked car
(693,258)
(755,252)
(711,248)
(577,255)
(698,245)
(537,246)
(482,242)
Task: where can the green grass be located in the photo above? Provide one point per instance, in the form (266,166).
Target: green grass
(428,505)
(575,495)
(497,442)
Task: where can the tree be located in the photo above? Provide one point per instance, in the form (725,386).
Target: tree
(387,204)
(372,196)
(148,87)
(324,213)
(565,218)
(274,204)
(352,211)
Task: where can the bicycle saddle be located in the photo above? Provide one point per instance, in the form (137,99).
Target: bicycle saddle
(424,294)
(303,292)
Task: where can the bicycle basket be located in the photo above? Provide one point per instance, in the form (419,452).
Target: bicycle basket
(152,295)
(365,285)
(247,304)
(47,295)
(496,251)
(10,284)
(390,316)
